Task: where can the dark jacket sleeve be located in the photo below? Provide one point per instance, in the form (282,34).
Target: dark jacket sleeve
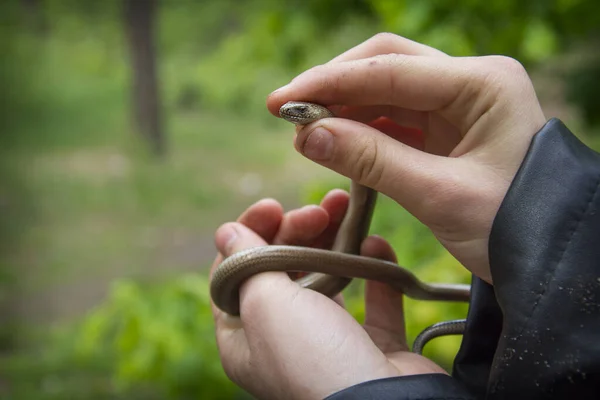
(545,263)
(536,333)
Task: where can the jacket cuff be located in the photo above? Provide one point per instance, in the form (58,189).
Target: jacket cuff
(474,359)
(426,386)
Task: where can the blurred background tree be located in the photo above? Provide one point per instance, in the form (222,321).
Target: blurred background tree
(104,250)
(140,17)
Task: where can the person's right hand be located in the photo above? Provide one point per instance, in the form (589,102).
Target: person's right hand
(476,116)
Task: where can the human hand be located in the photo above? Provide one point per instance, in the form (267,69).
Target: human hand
(443,136)
(291,342)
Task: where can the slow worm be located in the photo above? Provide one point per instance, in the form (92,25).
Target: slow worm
(332,270)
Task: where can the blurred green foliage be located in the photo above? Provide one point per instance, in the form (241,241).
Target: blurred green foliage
(582,89)
(160,337)
(65,75)
(273,40)
(221,54)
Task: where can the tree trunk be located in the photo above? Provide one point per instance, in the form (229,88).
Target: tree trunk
(139,25)
(34,17)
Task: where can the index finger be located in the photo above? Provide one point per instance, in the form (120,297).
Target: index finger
(387,43)
(417,83)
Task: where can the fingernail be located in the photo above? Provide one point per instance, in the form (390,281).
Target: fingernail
(310,207)
(319,144)
(230,235)
(281,88)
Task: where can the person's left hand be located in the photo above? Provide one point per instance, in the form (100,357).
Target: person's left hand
(292,342)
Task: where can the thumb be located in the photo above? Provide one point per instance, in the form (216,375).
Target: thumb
(376,160)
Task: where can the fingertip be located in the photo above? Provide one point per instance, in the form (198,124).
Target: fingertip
(316,142)
(273,105)
(311,208)
(336,193)
(304,215)
(376,247)
(269,206)
(310,217)
(269,202)
(233,237)
(263,217)
(276,99)
(224,237)
(335,202)
(302,226)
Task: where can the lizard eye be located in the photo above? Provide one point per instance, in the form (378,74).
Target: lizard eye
(301,109)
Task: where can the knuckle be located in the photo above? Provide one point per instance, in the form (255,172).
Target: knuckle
(505,71)
(493,81)
(367,166)
(506,78)
(383,39)
(507,65)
